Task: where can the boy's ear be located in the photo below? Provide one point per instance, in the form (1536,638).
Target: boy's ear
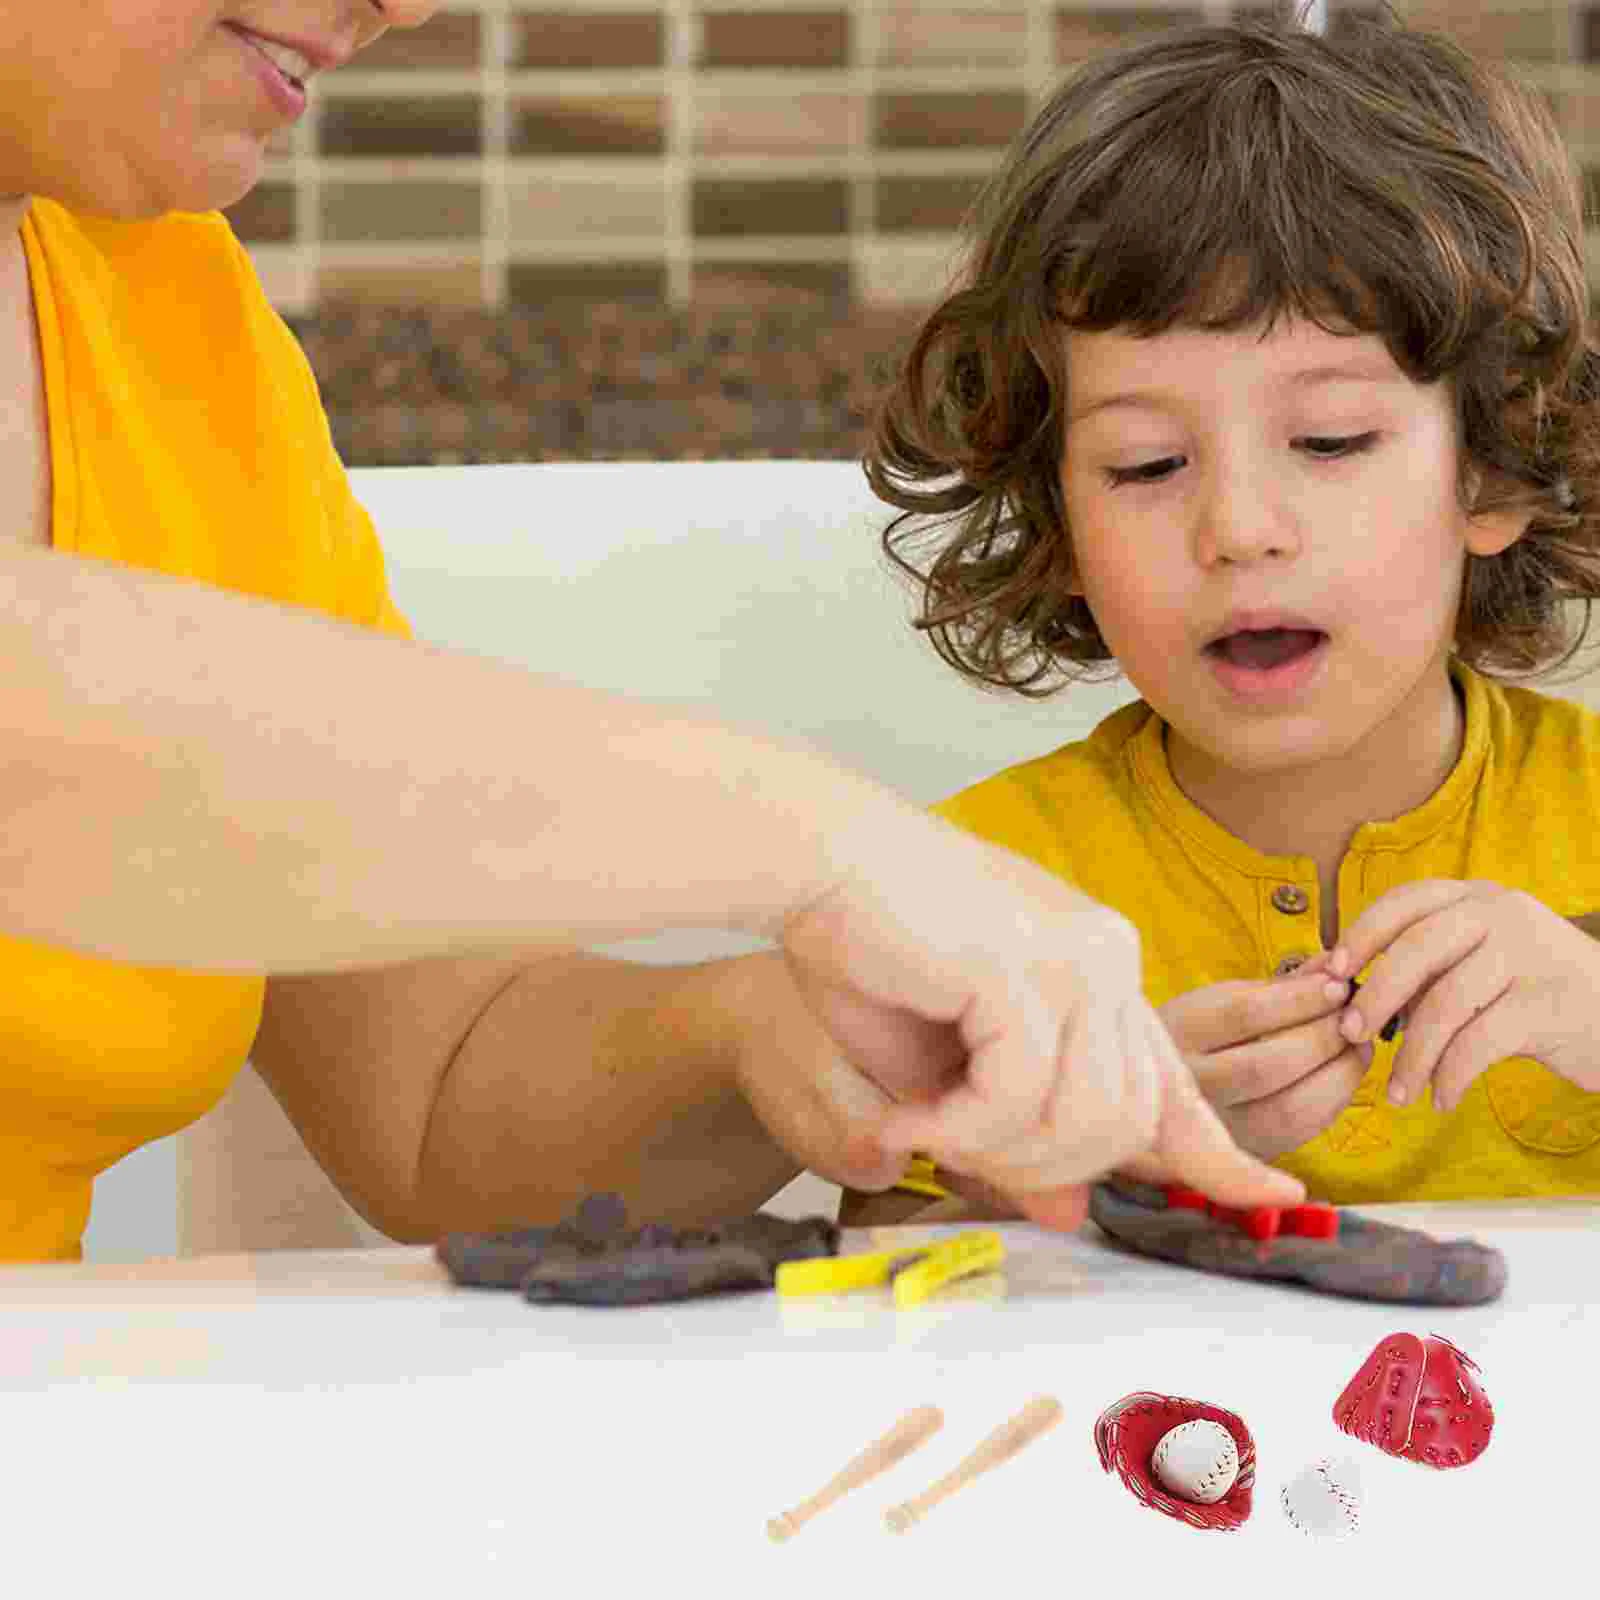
(1490,532)
(1495,531)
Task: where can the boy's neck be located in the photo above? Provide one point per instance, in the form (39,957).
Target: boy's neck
(1315,810)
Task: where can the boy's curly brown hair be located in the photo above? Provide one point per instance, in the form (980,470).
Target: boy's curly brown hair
(1378,179)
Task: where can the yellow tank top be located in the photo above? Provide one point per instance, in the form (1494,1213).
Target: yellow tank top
(186,436)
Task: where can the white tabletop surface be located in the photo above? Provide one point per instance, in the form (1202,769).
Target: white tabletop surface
(350,1423)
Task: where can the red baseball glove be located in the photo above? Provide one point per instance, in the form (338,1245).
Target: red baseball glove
(1418,1400)
(1127,1435)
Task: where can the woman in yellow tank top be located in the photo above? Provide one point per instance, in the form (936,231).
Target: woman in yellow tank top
(243,814)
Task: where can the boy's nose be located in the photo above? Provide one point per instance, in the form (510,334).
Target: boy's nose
(1239,526)
(1236,547)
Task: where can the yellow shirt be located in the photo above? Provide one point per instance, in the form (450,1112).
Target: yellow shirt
(186,436)
(1522,808)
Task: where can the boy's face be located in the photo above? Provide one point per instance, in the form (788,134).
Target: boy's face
(129,108)
(1302,483)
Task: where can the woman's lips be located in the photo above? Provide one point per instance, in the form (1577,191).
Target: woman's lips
(288,95)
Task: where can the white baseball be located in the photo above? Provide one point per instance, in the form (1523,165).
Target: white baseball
(1197,1461)
(1325,1499)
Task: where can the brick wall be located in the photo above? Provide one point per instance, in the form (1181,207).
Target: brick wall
(762,191)
(529,152)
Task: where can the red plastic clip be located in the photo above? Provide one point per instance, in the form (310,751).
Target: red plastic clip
(1260,1222)
(1312,1221)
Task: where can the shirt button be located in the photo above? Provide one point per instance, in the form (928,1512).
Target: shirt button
(1289,964)
(1288,897)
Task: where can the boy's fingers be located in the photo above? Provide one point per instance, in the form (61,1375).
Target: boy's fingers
(1287,1120)
(1289,1002)
(1223,1015)
(1415,964)
(1389,916)
(1273,1065)
(1313,964)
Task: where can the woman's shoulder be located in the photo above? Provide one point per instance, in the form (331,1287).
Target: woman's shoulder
(184,264)
(176,295)
(231,473)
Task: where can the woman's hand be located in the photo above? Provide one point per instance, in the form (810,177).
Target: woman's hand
(1480,972)
(1000,1014)
(822,1110)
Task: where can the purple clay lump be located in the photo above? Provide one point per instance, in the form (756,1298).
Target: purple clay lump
(592,1258)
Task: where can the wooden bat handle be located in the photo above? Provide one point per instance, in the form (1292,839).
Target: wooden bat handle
(1035,1418)
(913,1429)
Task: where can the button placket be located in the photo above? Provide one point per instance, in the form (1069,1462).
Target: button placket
(1291,901)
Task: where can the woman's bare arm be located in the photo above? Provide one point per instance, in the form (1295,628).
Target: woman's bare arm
(446,1095)
(197,779)
(194,779)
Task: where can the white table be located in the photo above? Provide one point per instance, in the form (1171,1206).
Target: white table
(350,1423)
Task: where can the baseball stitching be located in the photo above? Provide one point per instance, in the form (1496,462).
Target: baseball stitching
(1346,1504)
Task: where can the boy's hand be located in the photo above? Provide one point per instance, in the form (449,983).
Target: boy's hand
(1481,972)
(1269,1056)
(1001,1010)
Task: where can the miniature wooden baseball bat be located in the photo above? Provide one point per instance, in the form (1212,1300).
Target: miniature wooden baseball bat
(913,1429)
(1035,1418)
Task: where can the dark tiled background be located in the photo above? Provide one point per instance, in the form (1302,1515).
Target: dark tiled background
(531,231)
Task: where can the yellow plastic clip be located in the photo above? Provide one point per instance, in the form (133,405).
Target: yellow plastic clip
(835,1274)
(919,1178)
(959,1257)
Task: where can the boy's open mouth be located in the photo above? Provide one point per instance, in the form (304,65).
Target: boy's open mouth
(1265,648)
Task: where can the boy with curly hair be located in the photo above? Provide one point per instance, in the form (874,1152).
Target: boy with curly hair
(1269,383)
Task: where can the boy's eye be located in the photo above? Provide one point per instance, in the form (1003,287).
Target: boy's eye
(1145,472)
(1325,449)
(1318,447)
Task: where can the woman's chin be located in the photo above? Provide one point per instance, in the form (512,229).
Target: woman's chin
(223,181)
